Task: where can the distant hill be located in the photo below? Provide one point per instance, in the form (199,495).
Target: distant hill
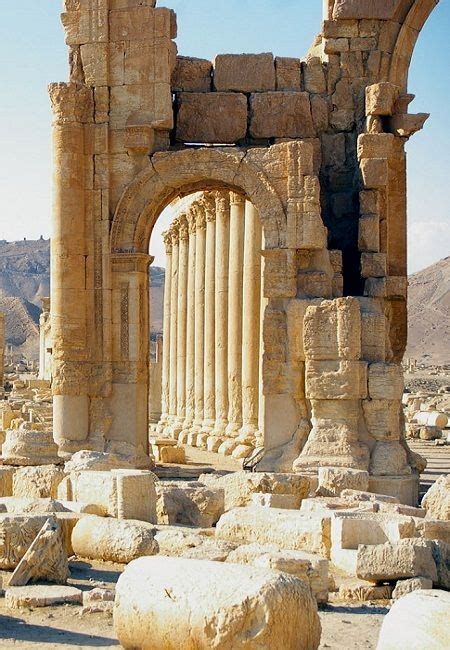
(429,314)
(25,279)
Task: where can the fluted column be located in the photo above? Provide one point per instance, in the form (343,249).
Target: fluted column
(237,218)
(190,328)
(221,309)
(251,324)
(183,255)
(200,252)
(165,381)
(173,326)
(209,415)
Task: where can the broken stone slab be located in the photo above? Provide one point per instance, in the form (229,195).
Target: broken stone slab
(329,505)
(98,600)
(30,445)
(284,501)
(213,604)
(332,480)
(189,503)
(404,587)
(361,495)
(408,558)
(113,540)
(45,559)
(287,529)
(6,481)
(311,568)
(37,482)
(418,620)
(41,596)
(17,533)
(85,460)
(281,114)
(239,487)
(437,500)
(351,529)
(216,118)
(216,550)
(441,557)
(20,505)
(433,529)
(362,591)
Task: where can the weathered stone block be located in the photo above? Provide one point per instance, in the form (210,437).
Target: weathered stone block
(358,9)
(280,277)
(369,233)
(407,558)
(288,73)
(189,503)
(437,499)
(385,381)
(382,418)
(332,330)
(381,98)
(192,75)
(339,379)
(244,72)
(374,172)
(6,481)
(281,115)
(373,265)
(332,480)
(216,118)
(212,606)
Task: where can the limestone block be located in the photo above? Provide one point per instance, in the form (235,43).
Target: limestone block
(373,335)
(42,596)
(434,529)
(405,488)
(46,558)
(332,330)
(336,45)
(305,230)
(181,541)
(437,500)
(406,125)
(385,381)
(280,276)
(239,487)
(408,558)
(29,445)
(285,501)
(281,115)
(6,481)
(212,605)
(38,482)
(85,26)
(94,461)
(136,23)
(373,265)
(288,73)
(111,540)
(98,600)
(244,72)
(172,454)
(404,587)
(369,233)
(189,503)
(217,118)
(361,590)
(374,172)
(358,9)
(16,535)
(314,76)
(389,458)
(441,556)
(287,529)
(93,487)
(332,480)
(417,621)
(381,98)
(377,146)
(192,75)
(340,379)
(382,418)
(310,568)
(430,433)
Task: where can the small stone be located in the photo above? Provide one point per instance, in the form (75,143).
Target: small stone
(41,596)
(404,587)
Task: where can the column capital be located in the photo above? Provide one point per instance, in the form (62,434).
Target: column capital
(174,232)
(200,216)
(237,199)
(167,239)
(209,203)
(191,220)
(222,201)
(71,103)
(183,227)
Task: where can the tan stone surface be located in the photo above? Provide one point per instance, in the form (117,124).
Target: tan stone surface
(111,540)
(213,604)
(281,114)
(217,118)
(244,72)
(437,500)
(408,558)
(192,75)
(42,596)
(37,482)
(189,503)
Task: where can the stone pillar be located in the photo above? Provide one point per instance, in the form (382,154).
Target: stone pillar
(183,254)
(173,327)
(165,380)
(237,219)
(251,324)
(72,108)
(190,330)
(209,414)
(2,353)
(200,251)
(221,311)
(155,387)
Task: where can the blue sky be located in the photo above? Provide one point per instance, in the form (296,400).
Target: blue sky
(33,53)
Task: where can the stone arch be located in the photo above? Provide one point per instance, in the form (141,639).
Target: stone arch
(180,173)
(407,37)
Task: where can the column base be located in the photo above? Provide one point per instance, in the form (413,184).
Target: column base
(213,443)
(202,440)
(404,488)
(220,429)
(233,429)
(227,447)
(247,434)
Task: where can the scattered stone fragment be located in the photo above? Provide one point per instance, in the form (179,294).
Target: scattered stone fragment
(38,482)
(437,500)
(417,621)
(190,503)
(213,605)
(333,480)
(46,558)
(404,587)
(41,596)
(408,558)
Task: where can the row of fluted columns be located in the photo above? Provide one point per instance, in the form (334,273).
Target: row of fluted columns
(212,326)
